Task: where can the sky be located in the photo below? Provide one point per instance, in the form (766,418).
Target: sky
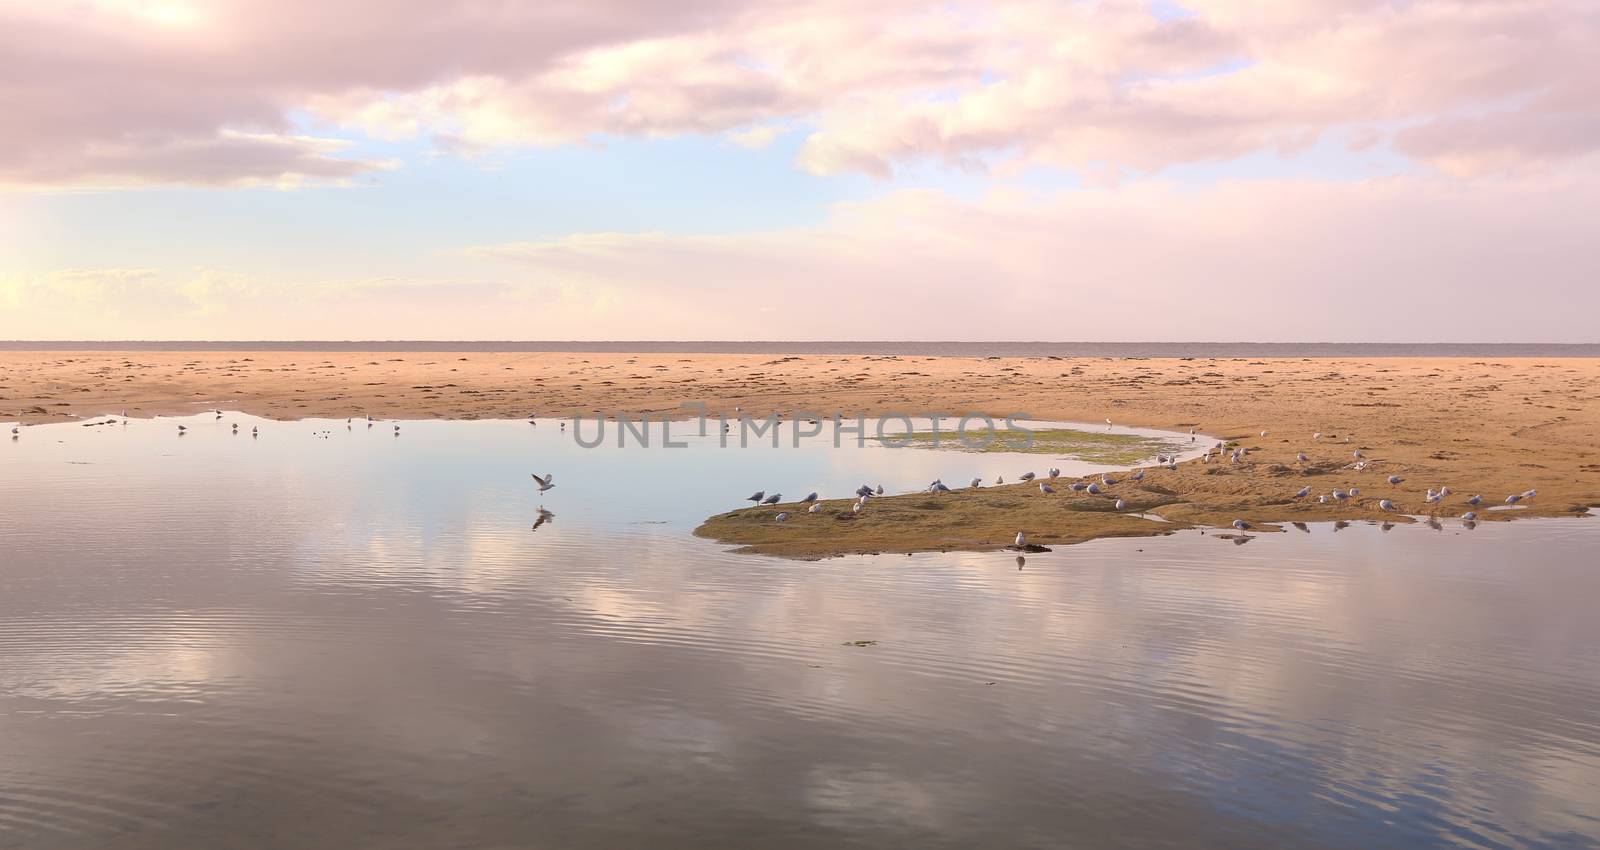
(1205,170)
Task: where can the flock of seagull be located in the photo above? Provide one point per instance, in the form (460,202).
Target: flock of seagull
(1338,496)
(1094,488)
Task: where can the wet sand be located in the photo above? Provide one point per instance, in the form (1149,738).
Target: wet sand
(1489,426)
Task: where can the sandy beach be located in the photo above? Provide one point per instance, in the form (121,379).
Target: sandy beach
(1489,426)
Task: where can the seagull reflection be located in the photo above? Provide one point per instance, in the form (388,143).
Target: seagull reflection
(1021,561)
(544,517)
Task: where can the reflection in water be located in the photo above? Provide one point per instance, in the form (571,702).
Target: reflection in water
(346,640)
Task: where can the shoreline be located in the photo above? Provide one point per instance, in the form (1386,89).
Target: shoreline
(1494,426)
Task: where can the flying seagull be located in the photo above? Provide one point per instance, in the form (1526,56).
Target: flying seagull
(545,482)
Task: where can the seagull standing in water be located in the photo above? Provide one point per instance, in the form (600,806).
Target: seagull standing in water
(1241,525)
(1022,540)
(1470,516)
(545,483)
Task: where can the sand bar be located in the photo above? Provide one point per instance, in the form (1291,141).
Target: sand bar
(1494,426)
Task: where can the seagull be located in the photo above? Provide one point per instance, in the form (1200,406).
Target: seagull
(856,508)
(1395,479)
(1512,500)
(1107,480)
(999,479)
(1530,494)
(1108,423)
(1444,491)
(1022,539)
(1094,489)
(1027,476)
(810,497)
(880,489)
(1475,501)
(977,482)
(1385,505)
(1241,525)
(397,428)
(1055,473)
(756,497)
(938,487)
(772,499)
(1138,475)
(1470,516)
(1077,486)
(1302,457)
(1340,496)
(1263,433)
(863,490)
(1304,492)
(782,516)
(254,430)
(1432,496)
(1356,454)
(1121,504)
(1316,436)
(1046,488)
(545,482)
(15,430)
(815,508)
(1355,491)
(181,429)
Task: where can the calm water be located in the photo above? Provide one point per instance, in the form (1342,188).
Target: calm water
(355,640)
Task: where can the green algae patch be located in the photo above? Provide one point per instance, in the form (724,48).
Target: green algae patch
(968,520)
(1089,446)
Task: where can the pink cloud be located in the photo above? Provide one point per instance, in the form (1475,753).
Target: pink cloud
(130,92)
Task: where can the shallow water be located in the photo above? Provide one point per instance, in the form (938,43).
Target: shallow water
(355,640)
